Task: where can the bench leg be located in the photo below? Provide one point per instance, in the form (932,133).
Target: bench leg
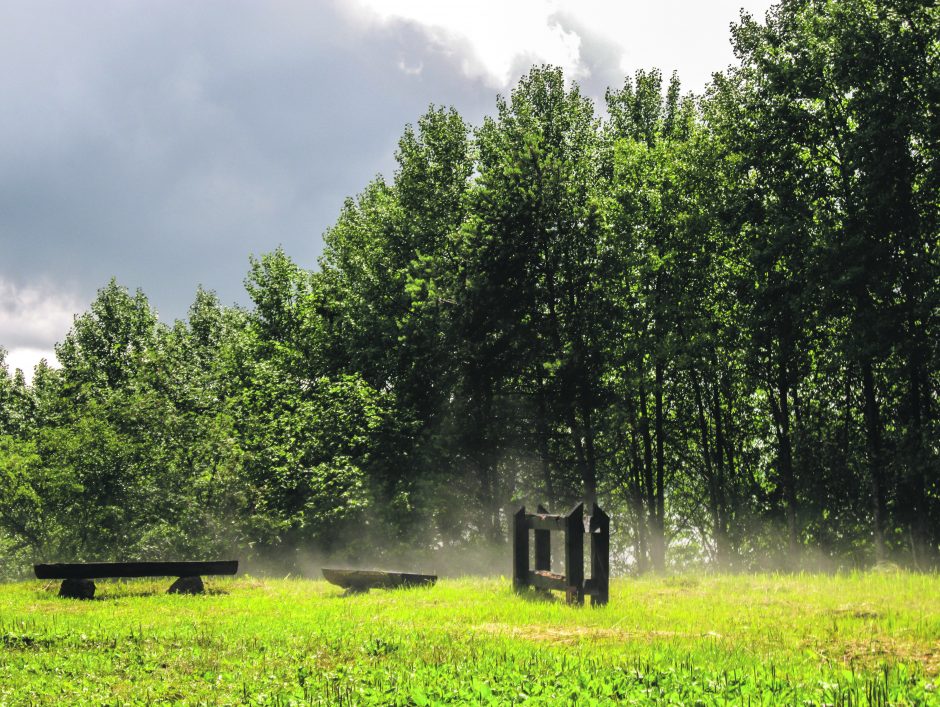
(187,585)
(77,589)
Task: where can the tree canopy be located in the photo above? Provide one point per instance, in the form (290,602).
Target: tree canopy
(717,316)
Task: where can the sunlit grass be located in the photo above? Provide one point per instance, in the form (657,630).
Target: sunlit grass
(854,639)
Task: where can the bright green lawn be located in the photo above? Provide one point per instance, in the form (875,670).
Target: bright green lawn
(713,640)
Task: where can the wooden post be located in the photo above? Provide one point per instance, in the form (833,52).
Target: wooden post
(520,551)
(543,547)
(574,554)
(600,557)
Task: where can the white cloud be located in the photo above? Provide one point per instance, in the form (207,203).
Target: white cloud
(498,33)
(410,70)
(26,359)
(34,315)
(32,320)
(501,35)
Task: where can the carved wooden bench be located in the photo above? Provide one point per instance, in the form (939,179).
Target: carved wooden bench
(77,577)
(363,580)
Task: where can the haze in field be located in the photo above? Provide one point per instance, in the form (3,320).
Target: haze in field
(163,143)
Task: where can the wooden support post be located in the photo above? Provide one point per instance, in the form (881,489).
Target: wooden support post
(77,589)
(187,585)
(543,547)
(520,551)
(574,554)
(600,557)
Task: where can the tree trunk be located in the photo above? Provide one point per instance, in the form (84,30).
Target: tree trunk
(636,482)
(577,439)
(875,471)
(542,432)
(480,450)
(706,457)
(918,454)
(726,550)
(725,434)
(590,469)
(658,529)
(780,408)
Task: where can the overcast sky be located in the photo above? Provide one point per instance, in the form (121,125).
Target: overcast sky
(163,143)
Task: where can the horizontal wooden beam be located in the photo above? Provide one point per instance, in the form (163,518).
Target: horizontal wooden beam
(548,580)
(103,570)
(545,521)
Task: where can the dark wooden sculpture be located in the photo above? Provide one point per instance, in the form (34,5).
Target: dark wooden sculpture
(572,582)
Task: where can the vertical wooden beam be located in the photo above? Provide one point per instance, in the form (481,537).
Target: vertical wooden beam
(600,556)
(574,554)
(520,551)
(543,546)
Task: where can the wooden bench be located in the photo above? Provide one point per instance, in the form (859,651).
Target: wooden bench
(354,581)
(77,577)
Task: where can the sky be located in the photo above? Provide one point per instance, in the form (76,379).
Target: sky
(164,143)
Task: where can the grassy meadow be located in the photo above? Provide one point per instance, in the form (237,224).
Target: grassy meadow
(766,639)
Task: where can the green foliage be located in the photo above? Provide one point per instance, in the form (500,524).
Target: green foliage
(100,349)
(16,400)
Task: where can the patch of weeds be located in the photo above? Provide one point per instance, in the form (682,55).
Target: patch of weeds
(14,641)
(378,647)
(682,582)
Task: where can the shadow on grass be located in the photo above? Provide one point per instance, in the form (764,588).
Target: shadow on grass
(122,592)
(11,642)
(538,596)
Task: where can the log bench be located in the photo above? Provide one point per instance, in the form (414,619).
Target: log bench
(355,581)
(78,577)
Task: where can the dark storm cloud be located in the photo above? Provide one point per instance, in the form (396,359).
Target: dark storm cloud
(162,143)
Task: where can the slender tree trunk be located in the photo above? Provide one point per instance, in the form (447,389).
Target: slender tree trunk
(707,464)
(727,434)
(577,439)
(542,432)
(590,469)
(917,446)
(780,408)
(658,545)
(642,544)
(648,477)
(481,451)
(656,539)
(638,483)
(634,483)
(875,471)
(721,481)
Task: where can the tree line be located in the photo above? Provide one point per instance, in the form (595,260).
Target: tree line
(715,315)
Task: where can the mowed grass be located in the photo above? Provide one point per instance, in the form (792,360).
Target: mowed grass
(767,639)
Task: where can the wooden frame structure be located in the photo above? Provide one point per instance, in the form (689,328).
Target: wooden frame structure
(572,582)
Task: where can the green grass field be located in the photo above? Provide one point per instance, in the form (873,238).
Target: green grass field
(807,639)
